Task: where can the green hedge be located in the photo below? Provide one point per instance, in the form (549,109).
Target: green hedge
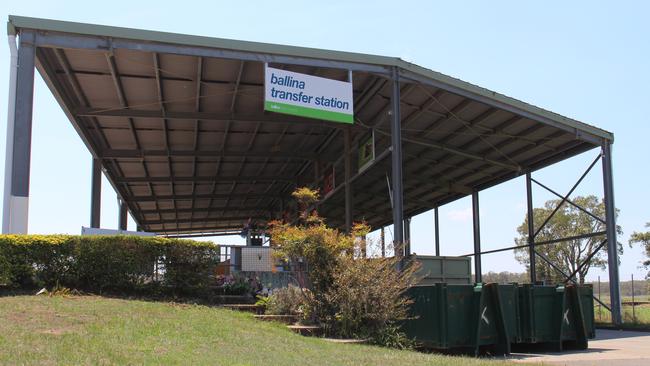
(126,264)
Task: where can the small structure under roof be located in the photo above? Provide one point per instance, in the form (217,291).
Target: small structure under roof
(177,124)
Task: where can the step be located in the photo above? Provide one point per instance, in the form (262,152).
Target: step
(307,330)
(233,299)
(251,308)
(346,340)
(286,319)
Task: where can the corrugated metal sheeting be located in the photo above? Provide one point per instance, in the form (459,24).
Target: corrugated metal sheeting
(178,122)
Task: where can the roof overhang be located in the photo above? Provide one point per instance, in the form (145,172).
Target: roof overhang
(178,123)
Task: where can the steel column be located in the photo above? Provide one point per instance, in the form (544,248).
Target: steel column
(436,227)
(407,236)
(96,193)
(122,221)
(348,174)
(610,218)
(18,163)
(477,238)
(382,239)
(531,228)
(396,145)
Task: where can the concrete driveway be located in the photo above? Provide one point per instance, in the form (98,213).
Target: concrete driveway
(610,348)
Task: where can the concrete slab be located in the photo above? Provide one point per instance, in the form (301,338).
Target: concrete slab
(611,347)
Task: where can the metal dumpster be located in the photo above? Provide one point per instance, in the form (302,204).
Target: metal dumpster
(509,299)
(556,315)
(587,302)
(461,317)
(436,269)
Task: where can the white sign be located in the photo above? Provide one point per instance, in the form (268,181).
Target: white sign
(307,96)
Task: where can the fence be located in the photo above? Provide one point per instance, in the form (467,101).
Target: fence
(258,263)
(635,302)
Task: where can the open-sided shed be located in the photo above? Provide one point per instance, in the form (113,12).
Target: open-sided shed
(177,124)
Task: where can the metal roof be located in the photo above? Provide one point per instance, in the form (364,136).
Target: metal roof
(179,125)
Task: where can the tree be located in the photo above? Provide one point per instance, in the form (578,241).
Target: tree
(643,239)
(568,221)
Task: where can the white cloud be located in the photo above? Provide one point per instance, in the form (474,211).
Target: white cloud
(461,215)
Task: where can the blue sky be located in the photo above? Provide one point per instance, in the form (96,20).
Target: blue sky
(587,60)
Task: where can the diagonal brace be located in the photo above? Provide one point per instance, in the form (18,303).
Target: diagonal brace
(566,197)
(569,201)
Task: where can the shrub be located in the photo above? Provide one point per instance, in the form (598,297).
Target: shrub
(349,297)
(368,297)
(124,264)
(238,285)
(285,301)
(320,247)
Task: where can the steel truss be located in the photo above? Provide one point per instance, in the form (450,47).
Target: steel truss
(609,232)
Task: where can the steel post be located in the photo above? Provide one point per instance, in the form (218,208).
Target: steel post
(610,218)
(396,145)
(382,239)
(531,228)
(9,148)
(436,227)
(17,207)
(347,141)
(96,193)
(477,238)
(122,221)
(407,236)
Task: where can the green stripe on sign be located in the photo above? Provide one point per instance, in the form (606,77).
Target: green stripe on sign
(308,112)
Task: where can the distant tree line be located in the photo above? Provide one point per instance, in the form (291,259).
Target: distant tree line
(641,286)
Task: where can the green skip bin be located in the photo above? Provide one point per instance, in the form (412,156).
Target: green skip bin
(492,317)
(457,317)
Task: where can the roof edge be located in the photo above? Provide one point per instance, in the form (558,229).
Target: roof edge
(17,22)
(478,90)
(194,40)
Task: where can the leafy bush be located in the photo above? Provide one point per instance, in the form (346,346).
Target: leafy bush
(238,285)
(107,263)
(348,296)
(320,247)
(285,301)
(368,296)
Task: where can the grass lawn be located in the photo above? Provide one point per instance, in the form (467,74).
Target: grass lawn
(96,330)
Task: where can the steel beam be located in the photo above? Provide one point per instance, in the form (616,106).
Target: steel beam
(531,228)
(141,154)
(17,209)
(203,234)
(96,194)
(180,197)
(224,117)
(478,275)
(233,178)
(203,220)
(569,201)
(123,214)
(204,209)
(612,252)
(78,41)
(539,243)
(582,177)
(396,171)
